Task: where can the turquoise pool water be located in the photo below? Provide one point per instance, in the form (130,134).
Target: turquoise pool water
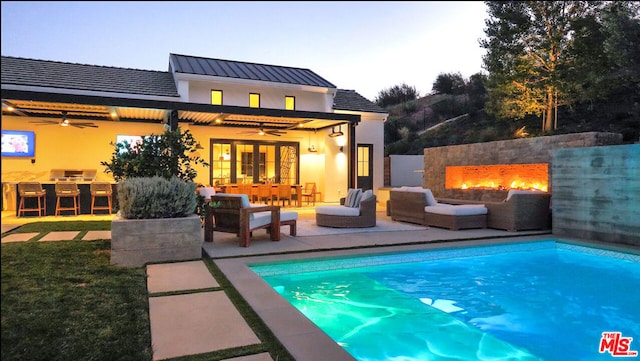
(538,300)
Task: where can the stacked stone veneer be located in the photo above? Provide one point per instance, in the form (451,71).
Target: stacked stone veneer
(596,193)
(518,151)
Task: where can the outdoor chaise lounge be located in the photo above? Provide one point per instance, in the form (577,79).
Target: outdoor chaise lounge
(233,213)
(417,205)
(359,212)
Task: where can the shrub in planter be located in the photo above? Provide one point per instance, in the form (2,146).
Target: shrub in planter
(156,222)
(156,197)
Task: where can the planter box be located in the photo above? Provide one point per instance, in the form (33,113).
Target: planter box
(136,242)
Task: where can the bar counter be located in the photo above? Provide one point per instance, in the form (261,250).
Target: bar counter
(85,200)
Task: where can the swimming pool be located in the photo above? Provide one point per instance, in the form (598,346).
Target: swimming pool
(538,300)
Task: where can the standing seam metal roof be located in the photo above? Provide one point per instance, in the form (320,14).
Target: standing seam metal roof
(250,71)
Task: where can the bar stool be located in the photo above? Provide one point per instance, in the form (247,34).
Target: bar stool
(67,190)
(32,190)
(100,189)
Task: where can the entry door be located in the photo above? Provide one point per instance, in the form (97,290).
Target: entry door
(364,164)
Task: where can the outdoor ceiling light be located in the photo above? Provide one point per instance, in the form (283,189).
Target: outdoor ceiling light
(334,133)
(65,121)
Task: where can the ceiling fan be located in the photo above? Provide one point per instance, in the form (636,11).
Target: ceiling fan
(65,122)
(261,131)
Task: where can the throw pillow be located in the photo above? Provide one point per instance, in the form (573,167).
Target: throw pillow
(431,200)
(353,197)
(366,195)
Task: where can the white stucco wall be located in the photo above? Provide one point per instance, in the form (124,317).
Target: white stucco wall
(272,95)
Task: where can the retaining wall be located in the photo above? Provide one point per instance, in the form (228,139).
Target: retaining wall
(596,193)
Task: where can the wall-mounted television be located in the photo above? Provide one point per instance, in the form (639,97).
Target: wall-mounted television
(18,143)
(130,139)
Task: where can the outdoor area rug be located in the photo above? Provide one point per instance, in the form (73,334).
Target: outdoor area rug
(308,227)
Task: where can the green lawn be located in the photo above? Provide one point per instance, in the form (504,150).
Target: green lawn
(64,301)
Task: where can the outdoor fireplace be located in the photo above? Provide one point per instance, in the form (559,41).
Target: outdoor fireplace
(488,170)
(498,177)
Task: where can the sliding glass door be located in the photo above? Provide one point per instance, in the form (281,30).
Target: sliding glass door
(240,161)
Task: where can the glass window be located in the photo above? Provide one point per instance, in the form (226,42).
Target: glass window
(221,164)
(216,97)
(254,100)
(363,161)
(289,103)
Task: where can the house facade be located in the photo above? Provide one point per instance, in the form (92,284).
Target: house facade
(254,122)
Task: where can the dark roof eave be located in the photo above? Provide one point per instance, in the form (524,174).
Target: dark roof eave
(362,111)
(178,105)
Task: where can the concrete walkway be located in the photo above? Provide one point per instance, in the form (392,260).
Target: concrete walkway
(196,322)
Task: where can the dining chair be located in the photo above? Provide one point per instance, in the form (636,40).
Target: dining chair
(309,192)
(284,194)
(245,189)
(31,190)
(265,193)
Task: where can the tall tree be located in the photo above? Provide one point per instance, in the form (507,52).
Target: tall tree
(541,54)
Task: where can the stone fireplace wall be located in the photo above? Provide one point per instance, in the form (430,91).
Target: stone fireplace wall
(517,151)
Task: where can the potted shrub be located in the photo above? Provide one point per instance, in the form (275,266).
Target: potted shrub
(157,202)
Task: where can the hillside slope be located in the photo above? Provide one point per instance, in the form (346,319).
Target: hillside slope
(439,120)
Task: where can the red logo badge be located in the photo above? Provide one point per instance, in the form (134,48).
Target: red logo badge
(617,345)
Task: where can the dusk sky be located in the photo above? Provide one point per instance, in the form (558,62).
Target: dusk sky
(364,46)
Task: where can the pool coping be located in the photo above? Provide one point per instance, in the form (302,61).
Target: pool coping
(300,336)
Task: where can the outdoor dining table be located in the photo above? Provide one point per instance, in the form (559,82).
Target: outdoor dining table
(297,188)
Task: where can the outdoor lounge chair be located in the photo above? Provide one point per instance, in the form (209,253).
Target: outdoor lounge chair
(361,214)
(233,213)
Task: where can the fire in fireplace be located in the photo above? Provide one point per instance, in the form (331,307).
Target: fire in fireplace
(499,176)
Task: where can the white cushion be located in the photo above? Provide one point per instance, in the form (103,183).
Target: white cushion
(263,218)
(288,216)
(366,195)
(259,219)
(207,192)
(353,197)
(338,211)
(517,191)
(457,210)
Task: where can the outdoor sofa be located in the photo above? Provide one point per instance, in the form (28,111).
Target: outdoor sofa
(521,210)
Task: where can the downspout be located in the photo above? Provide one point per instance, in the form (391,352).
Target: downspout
(353,169)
